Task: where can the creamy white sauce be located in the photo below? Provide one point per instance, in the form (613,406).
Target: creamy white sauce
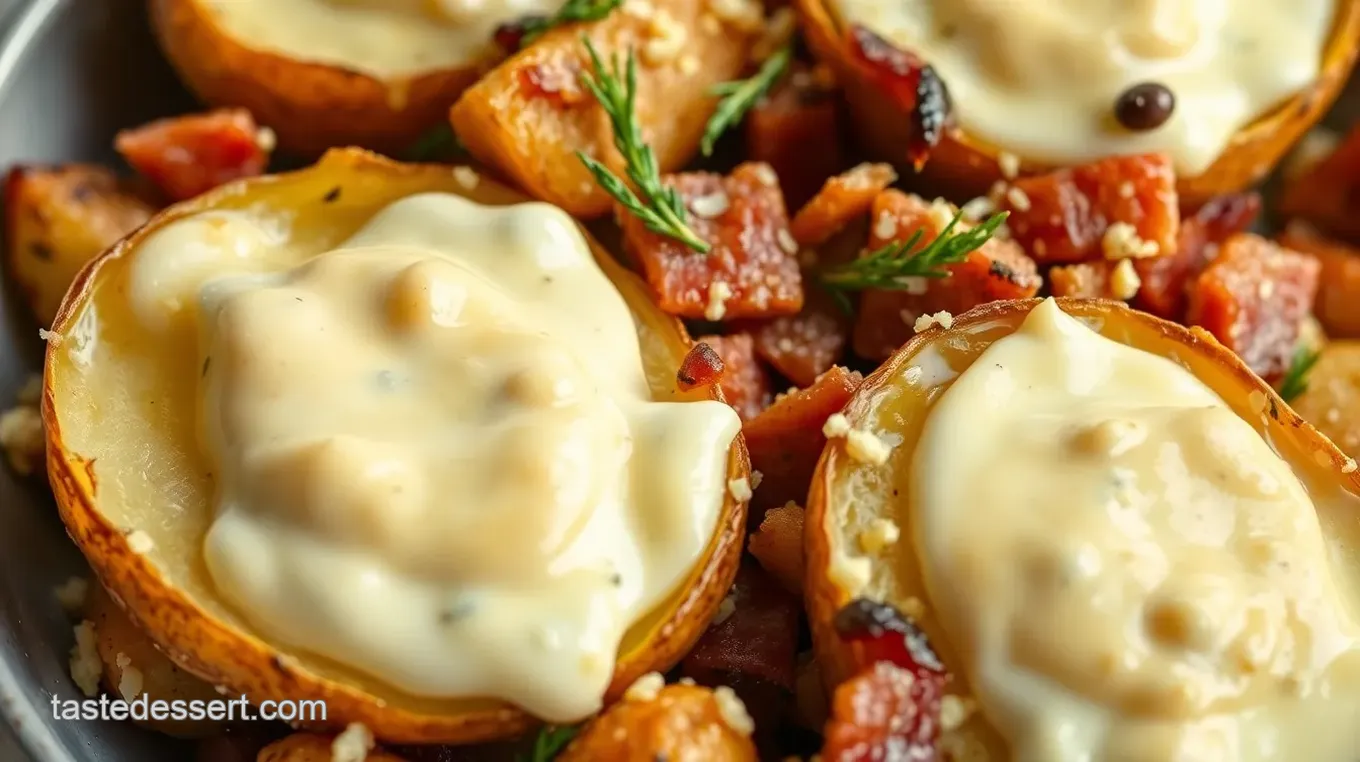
(1039,78)
(436,453)
(1145,578)
(384,38)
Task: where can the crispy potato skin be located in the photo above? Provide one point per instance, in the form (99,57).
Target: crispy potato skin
(311,107)
(310,747)
(533,139)
(57,219)
(963,166)
(224,654)
(683,722)
(827,528)
(116,636)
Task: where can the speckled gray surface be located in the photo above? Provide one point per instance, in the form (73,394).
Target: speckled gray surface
(71,73)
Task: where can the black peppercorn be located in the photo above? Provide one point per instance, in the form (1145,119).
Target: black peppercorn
(1145,106)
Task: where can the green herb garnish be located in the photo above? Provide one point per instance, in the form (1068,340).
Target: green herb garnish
(571,12)
(661,208)
(738,97)
(549,743)
(890,266)
(1295,381)
(440,143)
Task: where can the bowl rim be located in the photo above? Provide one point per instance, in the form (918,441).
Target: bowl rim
(21,26)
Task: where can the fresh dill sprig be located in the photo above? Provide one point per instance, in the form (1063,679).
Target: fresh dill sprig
(571,12)
(738,97)
(1295,381)
(440,143)
(890,266)
(661,208)
(550,742)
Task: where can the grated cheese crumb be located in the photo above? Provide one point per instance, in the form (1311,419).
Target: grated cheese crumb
(886,225)
(51,337)
(642,10)
(912,374)
(837,425)
(1348,466)
(1018,198)
(765,174)
(733,711)
(353,744)
(21,437)
(880,534)
(710,206)
(129,679)
(466,177)
(786,241)
(266,139)
(746,15)
(850,572)
(718,294)
(1124,281)
(689,65)
(71,594)
(667,38)
(85,665)
(645,688)
(740,489)
(140,542)
(687,681)
(1126,189)
(979,207)
(726,608)
(942,213)
(1009,164)
(954,711)
(866,447)
(1121,241)
(941,318)
(756,479)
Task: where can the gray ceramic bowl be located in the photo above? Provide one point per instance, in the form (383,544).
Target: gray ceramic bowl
(73,72)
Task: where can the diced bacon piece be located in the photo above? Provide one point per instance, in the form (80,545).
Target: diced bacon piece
(842,199)
(188,155)
(1327,193)
(1064,215)
(1253,298)
(786,440)
(997,270)
(796,129)
(778,546)
(804,346)
(744,383)
(702,366)
(885,712)
(1163,280)
(910,84)
(759,277)
(681,722)
(1338,296)
(758,638)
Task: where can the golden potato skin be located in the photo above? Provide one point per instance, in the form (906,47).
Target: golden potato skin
(962,166)
(310,747)
(1332,400)
(683,722)
(532,138)
(56,220)
(310,106)
(116,636)
(225,654)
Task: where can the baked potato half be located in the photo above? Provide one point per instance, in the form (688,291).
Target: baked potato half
(311,105)
(850,497)
(963,165)
(118,463)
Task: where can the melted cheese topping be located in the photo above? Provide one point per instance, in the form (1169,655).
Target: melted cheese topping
(436,453)
(384,38)
(1147,579)
(1039,78)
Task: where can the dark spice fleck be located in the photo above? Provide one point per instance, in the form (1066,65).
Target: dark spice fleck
(1145,106)
(459,610)
(41,251)
(332,195)
(207,361)
(616,579)
(1002,270)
